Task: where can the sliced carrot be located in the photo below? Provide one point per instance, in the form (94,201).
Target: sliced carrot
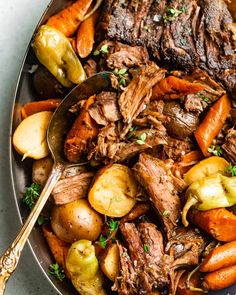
(34,107)
(220,257)
(173,87)
(220,279)
(220,223)
(192,157)
(83,131)
(85,35)
(58,247)
(212,123)
(68,20)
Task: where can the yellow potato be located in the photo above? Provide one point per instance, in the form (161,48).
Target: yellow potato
(205,168)
(29,138)
(75,221)
(41,169)
(114,191)
(110,262)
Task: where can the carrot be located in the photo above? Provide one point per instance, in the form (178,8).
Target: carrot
(220,257)
(83,131)
(212,123)
(138,210)
(173,87)
(220,279)
(39,106)
(182,288)
(58,247)
(220,223)
(85,35)
(188,160)
(68,20)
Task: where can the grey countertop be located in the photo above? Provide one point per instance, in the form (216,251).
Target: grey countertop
(18,18)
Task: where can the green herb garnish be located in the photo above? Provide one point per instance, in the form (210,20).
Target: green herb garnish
(131,131)
(166,213)
(103,50)
(103,241)
(56,271)
(231,170)
(171,14)
(145,248)
(113,226)
(31,195)
(216,150)
(122,75)
(124,254)
(141,139)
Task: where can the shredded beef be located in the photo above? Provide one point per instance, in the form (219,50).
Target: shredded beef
(229,146)
(90,67)
(175,149)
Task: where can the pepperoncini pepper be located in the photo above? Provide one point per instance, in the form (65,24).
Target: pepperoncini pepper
(83,268)
(55,52)
(214,191)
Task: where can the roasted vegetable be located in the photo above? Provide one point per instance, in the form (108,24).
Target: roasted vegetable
(85,35)
(83,131)
(41,170)
(68,20)
(173,87)
(195,282)
(212,123)
(76,220)
(220,257)
(29,138)
(114,191)
(220,279)
(210,192)
(181,123)
(34,107)
(110,262)
(83,268)
(205,168)
(55,52)
(220,223)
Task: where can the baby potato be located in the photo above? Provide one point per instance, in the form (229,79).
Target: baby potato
(114,191)
(41,170)
(205,168)
(110,262)
(76,220)
(29,138)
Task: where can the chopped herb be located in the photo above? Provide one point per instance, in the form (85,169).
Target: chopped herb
(103,241)
(147,28)
(31,195)
(42,219)
(141,139)
(166,213)
(145,248)
(122,71)
(216,150)
(113,225)
(114,239)
(103,49)
(231,170)
(184,9)
(56,271)
(131,131)
(123,82)
(204,98)
(124,254)
(171,14)
(122,75)
(183,41)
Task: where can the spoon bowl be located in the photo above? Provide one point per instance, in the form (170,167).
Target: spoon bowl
(57,129)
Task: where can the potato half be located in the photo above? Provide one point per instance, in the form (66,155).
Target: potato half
(113,191)
(110,262)
(29,138)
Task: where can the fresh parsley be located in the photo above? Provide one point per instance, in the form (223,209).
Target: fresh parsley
(231,170)
(122,75)
(145,248)
(132,131)
(56,271)
(103,241)
(113,225)
(31,195)
(171,14)
(141,139)
(204,98)
(216,150)
(104,49)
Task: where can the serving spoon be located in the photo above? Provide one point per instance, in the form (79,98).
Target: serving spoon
(57,129)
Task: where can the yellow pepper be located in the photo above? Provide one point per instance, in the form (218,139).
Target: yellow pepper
(82,265)
(55,52)
(215,191)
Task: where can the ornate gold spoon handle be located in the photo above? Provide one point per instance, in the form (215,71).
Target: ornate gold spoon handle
(10,258)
